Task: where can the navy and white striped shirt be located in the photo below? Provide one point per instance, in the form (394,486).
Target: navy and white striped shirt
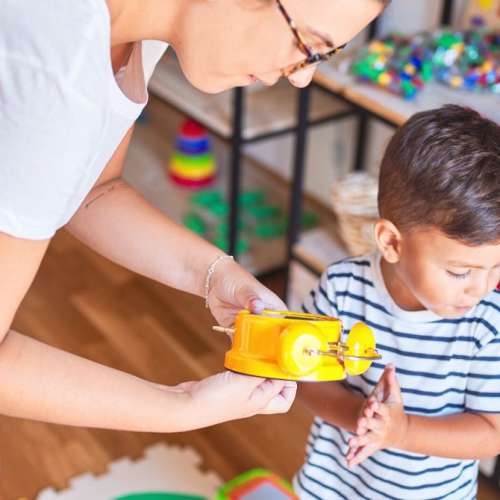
(443,367)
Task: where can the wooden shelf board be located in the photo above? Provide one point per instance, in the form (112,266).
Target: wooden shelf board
(394,108)
(268,109)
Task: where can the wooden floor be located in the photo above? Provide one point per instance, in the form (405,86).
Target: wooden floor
(84,304)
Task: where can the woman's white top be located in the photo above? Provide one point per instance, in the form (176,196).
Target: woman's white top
(62,110)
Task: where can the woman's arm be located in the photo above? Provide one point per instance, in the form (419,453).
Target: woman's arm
(117,222)
(40,382)
(43,383)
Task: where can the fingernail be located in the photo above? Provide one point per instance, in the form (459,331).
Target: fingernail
(256,305)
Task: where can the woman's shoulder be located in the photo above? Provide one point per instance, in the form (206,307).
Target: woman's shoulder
(53,34)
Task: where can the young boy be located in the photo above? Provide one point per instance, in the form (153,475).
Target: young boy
(417,431)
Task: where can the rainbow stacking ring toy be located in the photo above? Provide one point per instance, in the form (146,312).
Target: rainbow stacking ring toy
(192,165)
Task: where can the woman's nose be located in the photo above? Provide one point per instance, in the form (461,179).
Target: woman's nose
(302,78)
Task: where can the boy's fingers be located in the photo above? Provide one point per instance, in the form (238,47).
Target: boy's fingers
(361,429)
(374,424)
(358,441)
(394,396)
(368,411)
(351,453)
(382,411)
(378,391)
(362,455)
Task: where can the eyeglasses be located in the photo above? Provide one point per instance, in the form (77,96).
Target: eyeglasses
(313,58)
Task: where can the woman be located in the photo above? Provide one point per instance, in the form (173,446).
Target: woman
(72,82)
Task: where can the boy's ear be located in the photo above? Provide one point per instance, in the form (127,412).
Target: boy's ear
(388,240)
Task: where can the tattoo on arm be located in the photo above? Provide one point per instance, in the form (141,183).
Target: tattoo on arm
(108,189)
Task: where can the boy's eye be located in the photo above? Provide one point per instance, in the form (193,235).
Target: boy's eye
(458,276)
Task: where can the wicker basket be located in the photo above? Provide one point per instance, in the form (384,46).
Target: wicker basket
(354,200)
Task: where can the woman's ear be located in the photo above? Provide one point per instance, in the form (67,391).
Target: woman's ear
(389,240)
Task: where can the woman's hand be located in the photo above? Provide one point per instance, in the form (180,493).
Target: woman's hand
(232,289)
(382,423)
(230,396)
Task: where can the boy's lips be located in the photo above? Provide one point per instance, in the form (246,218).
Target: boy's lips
(464,308)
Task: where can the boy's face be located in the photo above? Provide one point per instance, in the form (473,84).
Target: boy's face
(441,274)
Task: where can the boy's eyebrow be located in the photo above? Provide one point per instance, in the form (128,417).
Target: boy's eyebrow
(464,264)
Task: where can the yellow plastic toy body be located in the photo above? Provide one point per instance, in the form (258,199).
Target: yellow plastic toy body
(295,346)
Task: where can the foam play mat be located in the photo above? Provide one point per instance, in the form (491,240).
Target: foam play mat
(164,473)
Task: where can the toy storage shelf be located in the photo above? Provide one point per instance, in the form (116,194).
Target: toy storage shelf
(268,110)
(146,170)
(392,108)
(239,117)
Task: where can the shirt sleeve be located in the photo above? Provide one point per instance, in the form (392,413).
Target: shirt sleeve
(48,138)
(321,299)
(483,382)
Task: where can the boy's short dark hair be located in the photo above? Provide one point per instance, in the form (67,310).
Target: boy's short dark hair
(442,169)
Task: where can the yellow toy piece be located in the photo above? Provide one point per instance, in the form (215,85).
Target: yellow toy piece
(298,346)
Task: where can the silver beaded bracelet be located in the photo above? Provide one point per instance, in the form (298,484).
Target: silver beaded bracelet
(210,271)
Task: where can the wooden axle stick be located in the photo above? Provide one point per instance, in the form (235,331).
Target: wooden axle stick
(221,329)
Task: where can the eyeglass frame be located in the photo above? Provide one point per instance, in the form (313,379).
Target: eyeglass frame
(313,58)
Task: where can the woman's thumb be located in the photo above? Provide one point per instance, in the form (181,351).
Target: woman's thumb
(248,299)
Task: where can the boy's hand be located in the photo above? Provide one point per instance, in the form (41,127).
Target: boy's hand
(382,422)
(230,396)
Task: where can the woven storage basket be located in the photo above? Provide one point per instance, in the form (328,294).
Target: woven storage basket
(354,200)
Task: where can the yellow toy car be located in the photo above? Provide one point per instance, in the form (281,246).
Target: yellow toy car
(298,346)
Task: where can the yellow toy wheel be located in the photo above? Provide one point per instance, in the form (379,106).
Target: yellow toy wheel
(295,343)
(360,342)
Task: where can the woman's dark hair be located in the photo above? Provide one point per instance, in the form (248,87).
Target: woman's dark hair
(442,169)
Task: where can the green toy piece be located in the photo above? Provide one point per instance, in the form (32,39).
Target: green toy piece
(158,495)
(195,223)
(223,243)
(209,218)
(261,212)
(309,220)
(222,229)
(207,198)
(270,229)
(252,197)
(219,209)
